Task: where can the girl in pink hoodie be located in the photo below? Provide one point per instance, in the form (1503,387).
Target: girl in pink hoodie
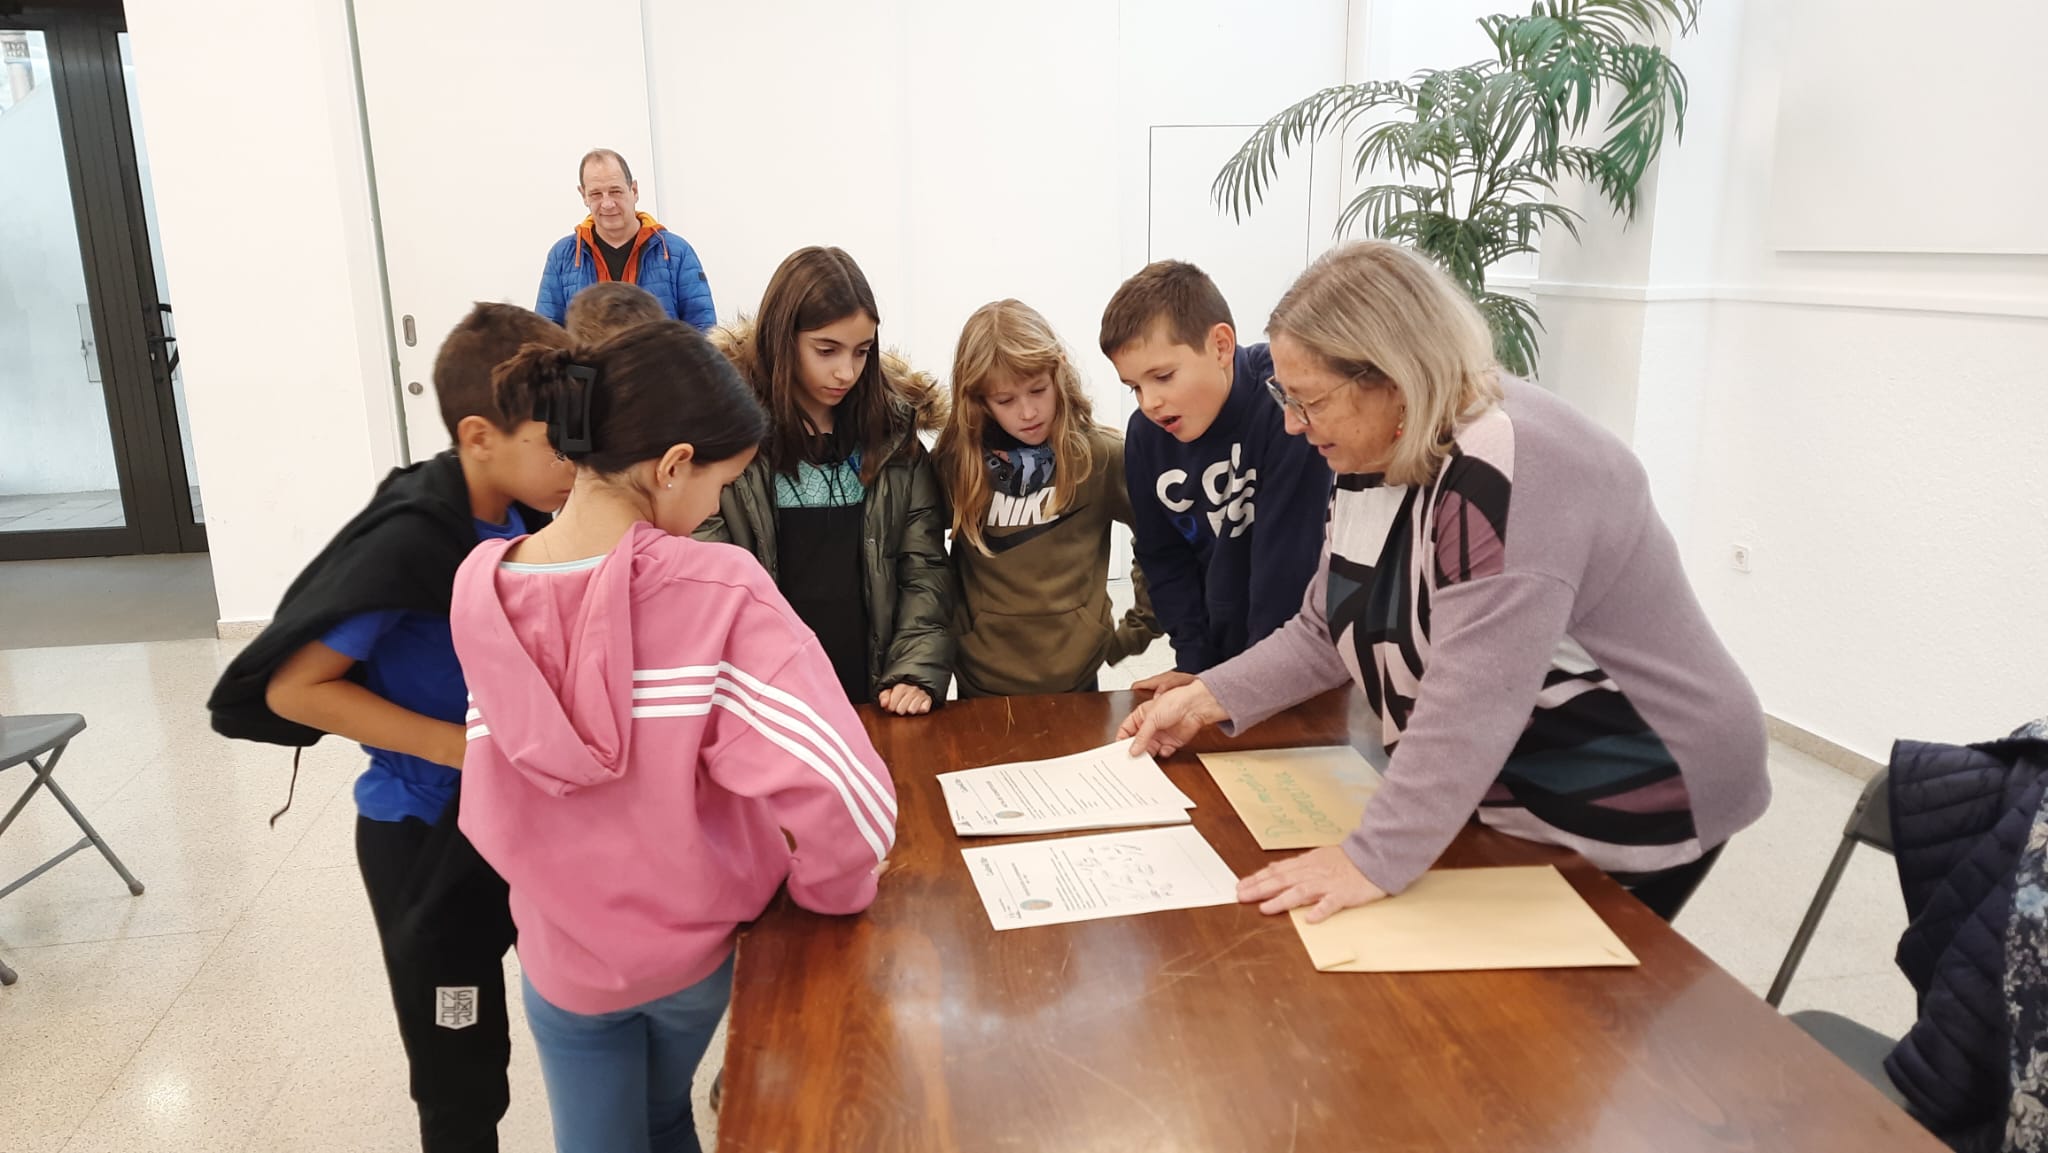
(656,741)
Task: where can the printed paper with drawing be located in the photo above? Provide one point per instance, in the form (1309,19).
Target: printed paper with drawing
(1103,788)
(1468,919)
(1117,874)
(1295,798)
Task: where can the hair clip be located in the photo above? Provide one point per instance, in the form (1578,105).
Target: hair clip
(570,429)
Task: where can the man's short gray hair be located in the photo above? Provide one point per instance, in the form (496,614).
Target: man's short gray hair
(625,169)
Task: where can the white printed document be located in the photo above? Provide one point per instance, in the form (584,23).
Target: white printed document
(1110,874)
(1103,788)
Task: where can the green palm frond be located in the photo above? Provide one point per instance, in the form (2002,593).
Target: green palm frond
(1653,100)
(1514,323)
(1245,177)
(1477,150)
(1516,227)
(1377,206)
(1602,170)
(1401,145)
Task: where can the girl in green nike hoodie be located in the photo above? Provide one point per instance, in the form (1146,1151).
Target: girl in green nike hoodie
(1034,484)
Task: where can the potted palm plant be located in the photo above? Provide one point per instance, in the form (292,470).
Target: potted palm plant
(1477,150)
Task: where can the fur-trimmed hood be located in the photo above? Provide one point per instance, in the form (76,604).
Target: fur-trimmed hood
(920,402)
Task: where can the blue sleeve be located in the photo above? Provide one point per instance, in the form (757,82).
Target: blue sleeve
(356,638)
(1173,576)
(1287,534)
(692,289)
(551,302)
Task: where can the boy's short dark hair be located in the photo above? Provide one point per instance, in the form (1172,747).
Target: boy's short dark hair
(490,335)
(602,311)
(1170,290)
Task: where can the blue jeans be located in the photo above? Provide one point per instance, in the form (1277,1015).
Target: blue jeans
(620,1082)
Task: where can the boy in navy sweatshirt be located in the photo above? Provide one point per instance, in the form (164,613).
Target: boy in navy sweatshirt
(1229,508)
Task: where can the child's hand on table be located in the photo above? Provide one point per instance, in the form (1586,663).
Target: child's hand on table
(905,700)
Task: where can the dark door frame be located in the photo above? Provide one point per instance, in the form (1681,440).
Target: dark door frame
(135,354)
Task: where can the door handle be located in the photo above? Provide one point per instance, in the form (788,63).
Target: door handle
(88,343)
(412,336)
(164,340)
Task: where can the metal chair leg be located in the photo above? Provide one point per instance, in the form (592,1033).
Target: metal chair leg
(1819,906)
(42,776)
(45,778)
(93,835)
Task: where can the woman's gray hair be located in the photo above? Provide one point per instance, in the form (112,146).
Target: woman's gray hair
(1379,312)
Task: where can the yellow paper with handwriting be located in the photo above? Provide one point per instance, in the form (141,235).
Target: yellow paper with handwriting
(1461,920)
(1295,798)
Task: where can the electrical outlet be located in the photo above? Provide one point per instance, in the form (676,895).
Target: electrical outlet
(1738,557)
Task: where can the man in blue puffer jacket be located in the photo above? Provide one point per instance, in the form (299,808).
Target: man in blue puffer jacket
(618,242)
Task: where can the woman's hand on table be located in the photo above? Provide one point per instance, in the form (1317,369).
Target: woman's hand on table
(1163,724)
(1164,682)
(905,700)
(1322,878)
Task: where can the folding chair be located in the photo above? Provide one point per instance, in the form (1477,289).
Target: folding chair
(1870,823)
(39,742)
(1856,1045)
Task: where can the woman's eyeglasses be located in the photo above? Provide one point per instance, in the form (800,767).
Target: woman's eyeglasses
(1301,410)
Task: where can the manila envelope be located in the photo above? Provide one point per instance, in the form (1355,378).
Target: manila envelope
(1468,919)
(1295,798)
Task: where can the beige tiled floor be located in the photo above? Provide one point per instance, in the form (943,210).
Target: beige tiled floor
(106,600)
(239,1003)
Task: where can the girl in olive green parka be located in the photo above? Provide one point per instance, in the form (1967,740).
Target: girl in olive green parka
(842,506)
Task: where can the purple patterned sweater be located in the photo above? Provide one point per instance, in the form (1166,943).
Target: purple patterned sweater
(1525,632)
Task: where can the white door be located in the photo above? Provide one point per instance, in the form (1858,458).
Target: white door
(478,113)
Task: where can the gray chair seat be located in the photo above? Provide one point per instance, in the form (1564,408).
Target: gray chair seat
(25,737)
(1855,1044)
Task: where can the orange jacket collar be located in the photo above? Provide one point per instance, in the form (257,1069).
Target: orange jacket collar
(586,240)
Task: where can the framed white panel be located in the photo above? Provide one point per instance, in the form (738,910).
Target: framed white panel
(1900,133)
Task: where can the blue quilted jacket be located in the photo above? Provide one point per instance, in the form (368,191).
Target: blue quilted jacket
(1960,818)
(668,268)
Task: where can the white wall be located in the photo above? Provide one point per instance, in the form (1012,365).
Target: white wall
(1871,87)
(1882,446)
(960,152)
(1868,424)
(476,179)
(967,152)
(772,141)
(53,411)
(1195,79)
(251,114)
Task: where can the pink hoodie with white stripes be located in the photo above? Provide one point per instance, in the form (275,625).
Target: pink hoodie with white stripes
(643,728)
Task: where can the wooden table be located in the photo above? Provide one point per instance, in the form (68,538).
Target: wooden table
(918,1027)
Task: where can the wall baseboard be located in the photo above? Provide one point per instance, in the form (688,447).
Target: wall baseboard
(238,630)
(1821,749)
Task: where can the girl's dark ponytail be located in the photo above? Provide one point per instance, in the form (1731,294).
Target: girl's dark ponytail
(554,386)
(633,397)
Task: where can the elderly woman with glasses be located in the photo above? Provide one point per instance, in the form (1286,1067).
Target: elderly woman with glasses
(1497,581)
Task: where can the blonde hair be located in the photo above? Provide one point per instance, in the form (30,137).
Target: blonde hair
(1379,312)
(1011,339)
